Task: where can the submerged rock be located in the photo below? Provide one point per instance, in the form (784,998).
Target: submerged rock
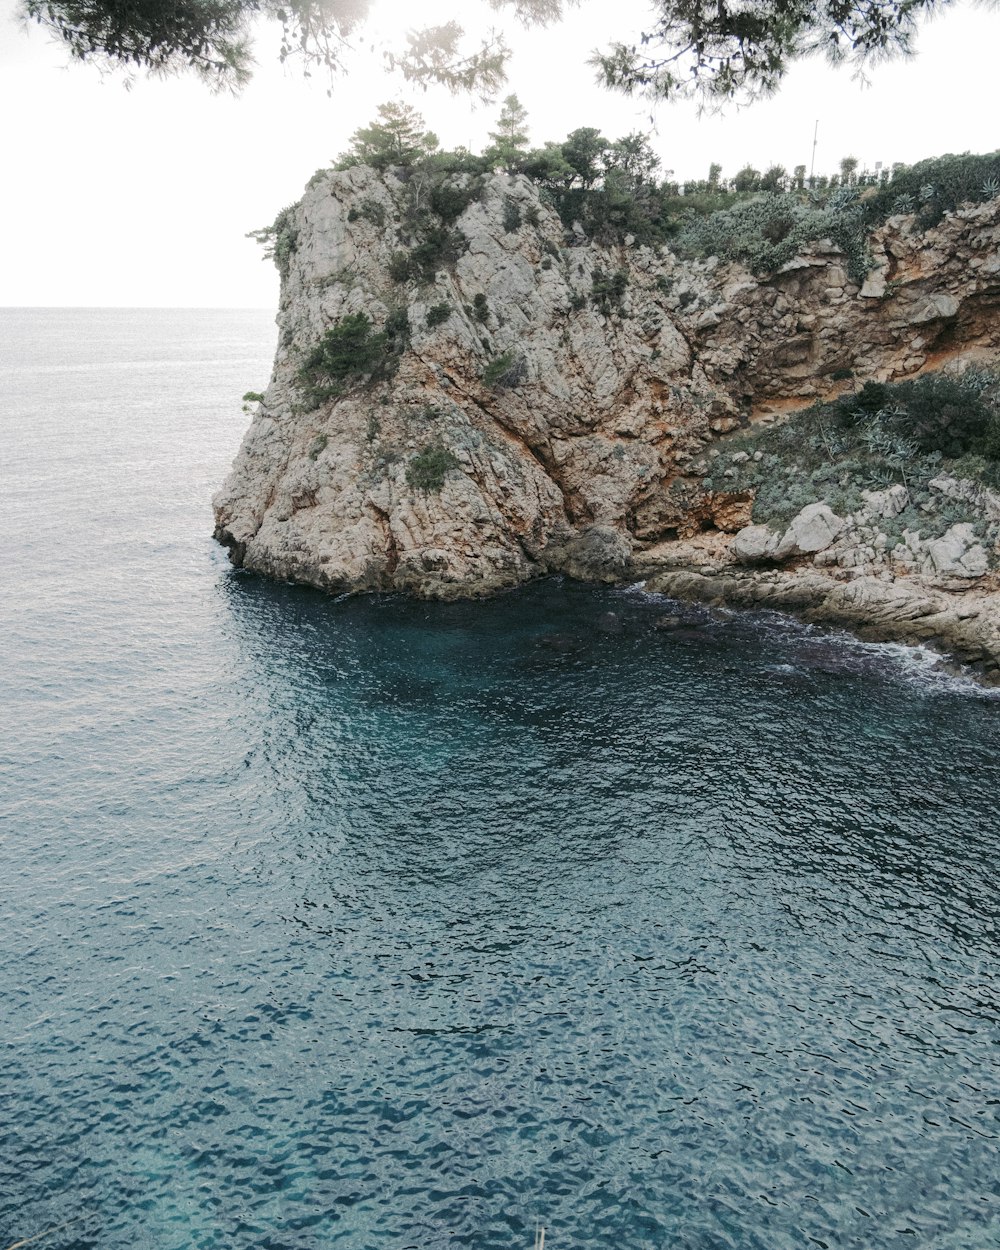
(609,623)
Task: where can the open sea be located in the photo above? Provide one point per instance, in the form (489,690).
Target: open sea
(384,925)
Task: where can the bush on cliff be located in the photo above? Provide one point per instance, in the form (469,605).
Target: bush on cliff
(906,433)
(936,186)
(505,371)
(280,239)
(766,231)
(427,469)
(437,315)
(351,351)
(936,412)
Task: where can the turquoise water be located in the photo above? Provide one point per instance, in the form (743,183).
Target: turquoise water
(369,923)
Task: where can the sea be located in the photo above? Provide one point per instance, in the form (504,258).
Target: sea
(374,924)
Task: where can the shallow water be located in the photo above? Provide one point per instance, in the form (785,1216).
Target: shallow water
(372,923)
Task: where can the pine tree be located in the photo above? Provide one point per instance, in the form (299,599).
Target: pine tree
(397,137)
(510,139)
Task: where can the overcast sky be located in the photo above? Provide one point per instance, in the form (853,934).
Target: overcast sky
(143,197)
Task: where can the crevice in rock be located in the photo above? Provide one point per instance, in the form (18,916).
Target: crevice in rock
(496,418)
(389,538)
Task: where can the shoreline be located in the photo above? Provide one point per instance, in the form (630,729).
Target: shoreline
(961,624)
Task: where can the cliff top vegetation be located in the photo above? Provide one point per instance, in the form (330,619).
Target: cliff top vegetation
(615,191)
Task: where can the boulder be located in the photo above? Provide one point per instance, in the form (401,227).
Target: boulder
(886,503)
(599,554)
(815,528)
(609,623)
(958,553)
(754,544)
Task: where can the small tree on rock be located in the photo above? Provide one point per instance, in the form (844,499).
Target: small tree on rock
(585,151)
(510,139)
(746,179)
(634,158)
(396,137)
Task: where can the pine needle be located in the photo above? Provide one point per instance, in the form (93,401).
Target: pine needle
(26,1241)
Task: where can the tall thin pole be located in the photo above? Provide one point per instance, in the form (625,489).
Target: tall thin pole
(812,166)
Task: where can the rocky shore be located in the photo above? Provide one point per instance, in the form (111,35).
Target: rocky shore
(961,622)
(528,401)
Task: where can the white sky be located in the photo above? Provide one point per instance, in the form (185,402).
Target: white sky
(143,197)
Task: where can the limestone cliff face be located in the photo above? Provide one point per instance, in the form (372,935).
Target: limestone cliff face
(625,365)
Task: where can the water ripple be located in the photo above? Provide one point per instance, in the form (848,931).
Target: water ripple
(383,924)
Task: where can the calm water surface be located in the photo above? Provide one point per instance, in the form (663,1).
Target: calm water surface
(381,924)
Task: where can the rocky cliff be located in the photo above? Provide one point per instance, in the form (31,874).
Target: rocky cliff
(553,405)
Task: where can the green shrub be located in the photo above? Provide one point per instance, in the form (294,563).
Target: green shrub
(350,351)
(934,187)
(864,404)
(450,201)
(886,433)
(480,307)
(608,292)
(945,414)
(511,216)
(401,267)
(505,371)
(280,239)
(437,315)
(426,471)
(935,412)
(253,397)
(369,209)
(319,445)
(438,248)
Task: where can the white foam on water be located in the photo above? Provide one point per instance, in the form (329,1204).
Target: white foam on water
(917,665)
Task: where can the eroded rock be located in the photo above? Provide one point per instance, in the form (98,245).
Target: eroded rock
(591,446)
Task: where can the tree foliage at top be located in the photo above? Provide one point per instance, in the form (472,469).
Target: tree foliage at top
(213,38)
(714,50)
(612,191)
(718,50)
(396,137)
(510,139)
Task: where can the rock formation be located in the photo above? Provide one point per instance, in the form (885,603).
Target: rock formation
(569,391)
